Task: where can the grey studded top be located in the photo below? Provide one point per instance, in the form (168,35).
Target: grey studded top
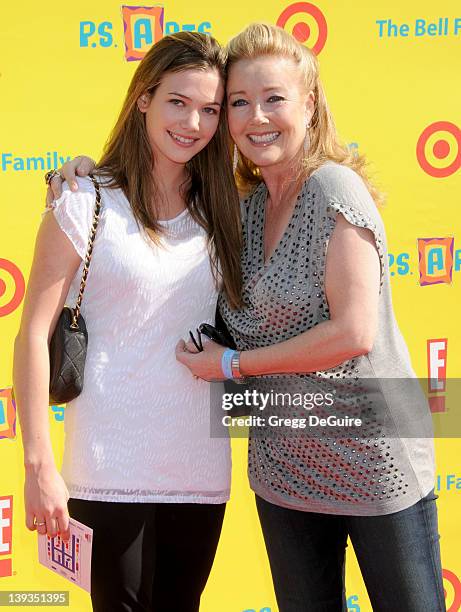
(370,474)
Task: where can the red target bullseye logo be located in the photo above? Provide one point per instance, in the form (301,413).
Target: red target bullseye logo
(315,37)
(438,150)
(455,583)
(14,297)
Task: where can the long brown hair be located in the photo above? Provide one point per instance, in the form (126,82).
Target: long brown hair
(260,39)
(210,193)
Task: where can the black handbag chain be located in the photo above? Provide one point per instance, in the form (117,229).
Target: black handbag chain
(89,251)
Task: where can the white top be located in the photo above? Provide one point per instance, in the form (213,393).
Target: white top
(140,430)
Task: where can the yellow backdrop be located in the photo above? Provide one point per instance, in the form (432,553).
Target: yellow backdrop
(391,72)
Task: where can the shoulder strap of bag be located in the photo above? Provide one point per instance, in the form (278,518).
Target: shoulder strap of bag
(89,251)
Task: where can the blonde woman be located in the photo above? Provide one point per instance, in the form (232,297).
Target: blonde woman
(318,301)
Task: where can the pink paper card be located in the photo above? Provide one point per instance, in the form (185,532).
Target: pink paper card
(71,559)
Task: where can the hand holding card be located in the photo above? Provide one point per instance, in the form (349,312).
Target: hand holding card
(71,559)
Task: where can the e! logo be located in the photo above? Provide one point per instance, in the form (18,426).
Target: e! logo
(6,531)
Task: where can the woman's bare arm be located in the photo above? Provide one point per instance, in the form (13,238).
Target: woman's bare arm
(54,265)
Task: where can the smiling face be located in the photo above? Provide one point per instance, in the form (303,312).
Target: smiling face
(183,113)
(268,109)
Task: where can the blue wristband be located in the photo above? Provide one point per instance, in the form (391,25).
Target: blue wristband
(226,362)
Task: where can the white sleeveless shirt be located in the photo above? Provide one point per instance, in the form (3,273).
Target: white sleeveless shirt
(140,430)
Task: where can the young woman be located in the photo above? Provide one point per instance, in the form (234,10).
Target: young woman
(139,465)
(317,309)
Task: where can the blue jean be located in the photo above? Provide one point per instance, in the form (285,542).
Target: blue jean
(398,554)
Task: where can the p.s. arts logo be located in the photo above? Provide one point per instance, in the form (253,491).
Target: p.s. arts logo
(306,23)
(6,535)
(143,26)
(438,149)
(452,590)
(435,260)
(7,414)
(12,287)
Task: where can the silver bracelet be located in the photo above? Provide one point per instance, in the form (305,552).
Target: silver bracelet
(235,366)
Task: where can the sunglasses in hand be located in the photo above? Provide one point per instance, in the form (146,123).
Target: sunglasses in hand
(210,332)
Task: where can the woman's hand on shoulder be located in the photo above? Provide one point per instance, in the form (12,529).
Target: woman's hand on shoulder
(205,364)
(79,166)
(46,497)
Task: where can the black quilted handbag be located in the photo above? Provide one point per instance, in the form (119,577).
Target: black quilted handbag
(69,341)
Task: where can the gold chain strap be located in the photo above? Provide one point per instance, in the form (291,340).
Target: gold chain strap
(89,251)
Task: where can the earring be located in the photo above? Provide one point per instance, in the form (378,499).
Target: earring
(307,140)
(236,159)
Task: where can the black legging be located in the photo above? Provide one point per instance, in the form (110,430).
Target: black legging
(149,557)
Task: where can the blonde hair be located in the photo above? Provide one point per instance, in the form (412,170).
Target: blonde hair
(261,39)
